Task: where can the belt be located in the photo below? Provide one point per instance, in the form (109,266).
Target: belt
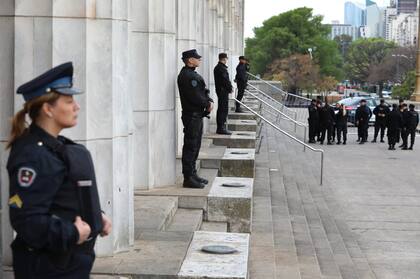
(194,114)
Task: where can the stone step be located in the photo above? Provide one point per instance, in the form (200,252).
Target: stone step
(230,204)
(236,140)
(231,162)
(214,226)
(242,125)
(153,213)
(186,220)
(198,264)
(187,198)
(241,116)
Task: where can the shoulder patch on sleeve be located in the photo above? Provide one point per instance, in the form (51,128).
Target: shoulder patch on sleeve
(194,83)
(15,201)
(26,176)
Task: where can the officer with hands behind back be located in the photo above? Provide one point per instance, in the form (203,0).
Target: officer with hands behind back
(54,203)
(196,104)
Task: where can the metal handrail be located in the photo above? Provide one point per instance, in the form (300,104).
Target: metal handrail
(278,89)
(274,100)
(297,123)
(289,136)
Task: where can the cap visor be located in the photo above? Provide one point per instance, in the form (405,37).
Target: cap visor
(68,91)
(197,56)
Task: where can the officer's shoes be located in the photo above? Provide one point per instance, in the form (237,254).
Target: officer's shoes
(404,148)
(362,142)
(191,182)
(200,179)
(401,146)
(344,143)
(382,141)
(373,141)
(223,132)
(329,143)
(312,141)
(390,147)
(239,110)
(410,148)
(338,142)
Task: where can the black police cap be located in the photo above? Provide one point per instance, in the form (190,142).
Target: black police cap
(222,55)
(59,79)
(192,53)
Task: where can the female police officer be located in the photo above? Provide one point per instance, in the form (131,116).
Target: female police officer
(54,203)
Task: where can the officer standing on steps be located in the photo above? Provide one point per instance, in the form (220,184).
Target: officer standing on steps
(241,80)
(313,121)
(381,111)
(54,203)
(363,115)
(223,89)
(411,122)
(196,104)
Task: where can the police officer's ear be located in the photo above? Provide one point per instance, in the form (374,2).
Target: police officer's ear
(46,110)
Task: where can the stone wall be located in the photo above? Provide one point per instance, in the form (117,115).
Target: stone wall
(126,55)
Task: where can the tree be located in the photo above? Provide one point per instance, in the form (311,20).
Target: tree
(343,42)
(327,84)
(364,55)
(289,33)
(406,88)
(297,72)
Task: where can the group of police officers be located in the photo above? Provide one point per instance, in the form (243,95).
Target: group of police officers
(197,104)
(329,123)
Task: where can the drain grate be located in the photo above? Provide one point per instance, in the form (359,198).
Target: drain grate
(219,249)
(233,185)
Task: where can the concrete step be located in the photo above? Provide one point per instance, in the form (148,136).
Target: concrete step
(153,213)
(242,125)
(231,205)
(241,116)
(231,162)
(187,198)
(214,226)
(198,264)
(186,220)
(236,140)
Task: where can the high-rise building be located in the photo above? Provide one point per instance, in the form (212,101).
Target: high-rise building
(375,21)
(403,29)
(406,6)
(390,14)
(354,14)
(344,29)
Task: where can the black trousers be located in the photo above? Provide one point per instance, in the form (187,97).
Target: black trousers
(380,126)
(408,132)
(241,92)
(193,132)
(362,130)
(327,130)
(222,109)
(393,136)
(32,265)
(342,131)
(313,129)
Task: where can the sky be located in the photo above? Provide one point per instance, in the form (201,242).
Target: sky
(256,11)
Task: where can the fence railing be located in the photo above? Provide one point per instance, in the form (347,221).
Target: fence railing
(296,140)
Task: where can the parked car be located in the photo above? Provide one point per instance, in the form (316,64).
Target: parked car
(387,95)
(353,103)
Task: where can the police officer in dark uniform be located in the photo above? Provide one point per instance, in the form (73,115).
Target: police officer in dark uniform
(54,202)
(223,89)
(363,115)
(326,123)
(313,121)
(393,123)
(196,104)
(411,121)
(381,111)
(241,80)
(341,124)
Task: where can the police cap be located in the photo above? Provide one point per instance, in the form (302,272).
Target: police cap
(242,57)
(59,79)
(192,53)
(222,56)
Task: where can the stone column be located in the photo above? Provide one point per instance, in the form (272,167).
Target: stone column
(187,23)
(153,73)
(7,87)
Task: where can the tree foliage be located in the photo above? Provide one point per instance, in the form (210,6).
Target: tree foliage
(406,89)
(290,33)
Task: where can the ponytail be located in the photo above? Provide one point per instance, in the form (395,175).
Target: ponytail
(18,126)
(32,108)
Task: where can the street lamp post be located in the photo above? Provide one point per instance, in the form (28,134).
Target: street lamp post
(416,94)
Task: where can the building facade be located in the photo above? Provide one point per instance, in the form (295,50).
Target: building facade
(375,21)
(406,6)
(403,29)
(344,29)
(354,14)
(390,14)
(126,55)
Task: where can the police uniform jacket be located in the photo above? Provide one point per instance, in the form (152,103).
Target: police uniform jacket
(221,79)
(341,118)
(381,112)
(411,119)
(241,73)
(326,116)
(363,114)
(192,90)
(394,120)
(313,113)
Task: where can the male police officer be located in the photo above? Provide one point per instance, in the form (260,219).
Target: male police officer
(196,104)
(326,123)
(411,122)
(223,89)
(363,114)
(313,120)
(393,124)
(381,111)
(241,80)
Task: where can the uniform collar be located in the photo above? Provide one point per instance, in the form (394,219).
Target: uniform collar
(223,64)
(44,137)
(190,68)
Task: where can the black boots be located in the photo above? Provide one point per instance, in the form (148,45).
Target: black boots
(200,179)
(191,182)
(223,131)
